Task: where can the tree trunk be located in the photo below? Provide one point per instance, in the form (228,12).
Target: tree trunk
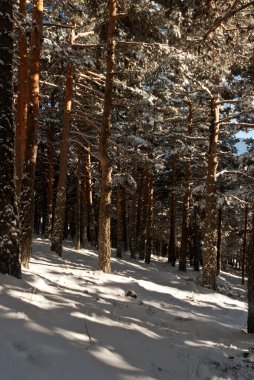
(124,221)
(84,210)
(219,230)
(185,220)
(250,321)
(50,175)
(196,242)
(142,215)
(22,99)
(104,252)
(210,232)
(78,202)
(186,204)
(27,188)
(9,233)
(244,241)
(89,214)
(119,219)
(133,222)
(172,237)
(149,220)
(58,228)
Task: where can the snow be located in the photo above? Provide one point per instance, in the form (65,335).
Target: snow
(66,320)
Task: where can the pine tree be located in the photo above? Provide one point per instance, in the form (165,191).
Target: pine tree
(9,232)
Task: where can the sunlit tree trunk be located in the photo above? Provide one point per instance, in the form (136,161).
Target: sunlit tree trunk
(22,99)
(210,231)
(59,217)
(89,214)
(27,188)
(9,232)
(104,252)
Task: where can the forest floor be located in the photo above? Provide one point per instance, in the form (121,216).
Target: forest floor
(65,320)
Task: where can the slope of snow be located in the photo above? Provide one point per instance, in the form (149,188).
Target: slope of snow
(66,320)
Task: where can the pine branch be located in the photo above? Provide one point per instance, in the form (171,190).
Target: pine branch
(217,23)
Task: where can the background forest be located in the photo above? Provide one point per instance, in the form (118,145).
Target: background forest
(118,130)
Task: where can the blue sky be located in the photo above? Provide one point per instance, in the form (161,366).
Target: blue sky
(241,146)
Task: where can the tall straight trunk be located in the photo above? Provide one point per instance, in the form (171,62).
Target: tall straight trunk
(250,320)
(78,201)
(119,219)
(185,220)
(84,210)
(149,220)
(139,224)
(22,100)
(186,204)
(210,232)
(89,198)
(50,175)
(219,231)
(172,236)
(133,221)
(9,232)
(196,242)
(143,215)
(27,188)
(59,217)
(244,241)
(124,221)
(104,252)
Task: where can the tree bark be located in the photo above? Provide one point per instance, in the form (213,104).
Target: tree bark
(250,320)
(104,252)
(141,225)
(172,237)
(210,232)
(133,221)
(78,201)
(9,232)
(119,219)
(27,188)
(50,175)
(219,231)
(185,220)
(59,218)
(89,215)
(244,241)
(22,100)
(149,220)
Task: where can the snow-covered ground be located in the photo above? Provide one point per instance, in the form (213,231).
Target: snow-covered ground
(65,320)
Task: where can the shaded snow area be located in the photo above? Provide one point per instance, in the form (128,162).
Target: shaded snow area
(66,320)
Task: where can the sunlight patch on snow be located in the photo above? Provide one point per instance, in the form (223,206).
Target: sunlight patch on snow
(131,326)
(201,343)
(112,358)
(33,298)
(71,335)
(38,328)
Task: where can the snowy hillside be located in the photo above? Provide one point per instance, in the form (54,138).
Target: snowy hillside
(66,320)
